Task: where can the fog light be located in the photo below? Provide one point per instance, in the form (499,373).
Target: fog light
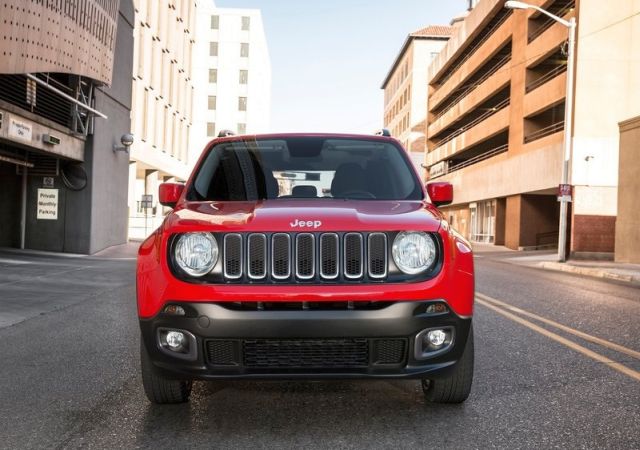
(174,310)
(434,341)
(436,337)
(175,340)
(437,308)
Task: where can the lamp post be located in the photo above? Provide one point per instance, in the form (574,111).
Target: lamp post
(568,118)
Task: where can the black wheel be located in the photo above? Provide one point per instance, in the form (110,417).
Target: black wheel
(160,389)
(457,386)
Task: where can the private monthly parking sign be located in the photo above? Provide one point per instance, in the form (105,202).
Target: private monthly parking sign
(47,204)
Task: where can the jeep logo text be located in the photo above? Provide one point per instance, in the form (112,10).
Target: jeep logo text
(297,223)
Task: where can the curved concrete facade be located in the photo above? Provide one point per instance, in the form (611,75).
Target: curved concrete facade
(64,36)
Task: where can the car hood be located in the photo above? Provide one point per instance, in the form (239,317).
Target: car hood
(304,215)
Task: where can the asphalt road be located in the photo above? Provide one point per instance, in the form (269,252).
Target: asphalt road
(70,374)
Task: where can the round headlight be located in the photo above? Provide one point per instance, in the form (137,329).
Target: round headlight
(196,253)
(413,251)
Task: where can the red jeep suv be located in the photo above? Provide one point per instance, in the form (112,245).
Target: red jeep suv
(305,256)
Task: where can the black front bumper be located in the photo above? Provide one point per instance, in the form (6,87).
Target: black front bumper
(288,344)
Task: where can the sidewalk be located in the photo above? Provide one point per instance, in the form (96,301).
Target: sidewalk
(548,260)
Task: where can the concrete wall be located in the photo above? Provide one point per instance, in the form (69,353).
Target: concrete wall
(460,219)
(529,217)
(627,236)
(539,218)
(607,92)
(10,204)
(96,217)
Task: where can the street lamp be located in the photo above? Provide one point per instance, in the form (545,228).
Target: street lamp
(568,118)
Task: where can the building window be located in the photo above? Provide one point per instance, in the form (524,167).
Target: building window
(215,22)
(212,102)
(213,49)
(145,117)
(244,76)
(244,50)
(242,103)
(246,21)
(213,75)
(242,128)
(211,129)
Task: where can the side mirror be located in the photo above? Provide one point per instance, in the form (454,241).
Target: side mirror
(169,193)
(440,193)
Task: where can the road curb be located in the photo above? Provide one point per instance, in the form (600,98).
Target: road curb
(591,272)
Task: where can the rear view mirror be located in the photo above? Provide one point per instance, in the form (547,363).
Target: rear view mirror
(440,193)
(169,193)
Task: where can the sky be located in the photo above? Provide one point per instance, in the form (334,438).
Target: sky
(329,57)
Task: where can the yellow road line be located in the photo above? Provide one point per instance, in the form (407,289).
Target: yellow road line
(566,342)
(585,336)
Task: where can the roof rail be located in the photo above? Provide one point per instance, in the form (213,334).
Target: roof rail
(383,132)
(225,133)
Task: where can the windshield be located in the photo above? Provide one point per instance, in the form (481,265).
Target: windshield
(305,167)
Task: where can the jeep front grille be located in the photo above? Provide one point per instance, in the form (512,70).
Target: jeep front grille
(284,257)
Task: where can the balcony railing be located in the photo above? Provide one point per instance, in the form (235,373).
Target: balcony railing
(469,51)
(544,78)
(476,159)
(548,22)
(490,112)
(546,131)
(473,86)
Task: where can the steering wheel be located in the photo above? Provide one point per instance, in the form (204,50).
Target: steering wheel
(357,193)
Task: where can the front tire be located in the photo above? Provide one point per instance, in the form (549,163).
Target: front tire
(457,386)
(159,389)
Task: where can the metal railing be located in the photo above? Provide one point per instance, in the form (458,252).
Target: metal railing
(481,157)
(544,78)
(476,159)
(548,22)
(24,93)
(473,86)
(490,112)
(546,131)
(469,51)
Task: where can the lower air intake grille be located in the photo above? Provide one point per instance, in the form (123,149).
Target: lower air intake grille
(306,353)
(389,351)
(222,353)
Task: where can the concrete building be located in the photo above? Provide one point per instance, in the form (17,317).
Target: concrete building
(162,99)
(63,107)
(231,75)
(405,88)
(627,248)
(496,121)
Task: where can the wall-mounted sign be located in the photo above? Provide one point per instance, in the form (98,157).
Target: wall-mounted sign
(51,140)
(47,182)
(564,193)
(47,204)
(20,130)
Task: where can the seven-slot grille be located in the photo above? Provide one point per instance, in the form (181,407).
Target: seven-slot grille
(305,256)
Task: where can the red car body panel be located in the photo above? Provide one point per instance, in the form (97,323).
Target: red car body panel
(157,285)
